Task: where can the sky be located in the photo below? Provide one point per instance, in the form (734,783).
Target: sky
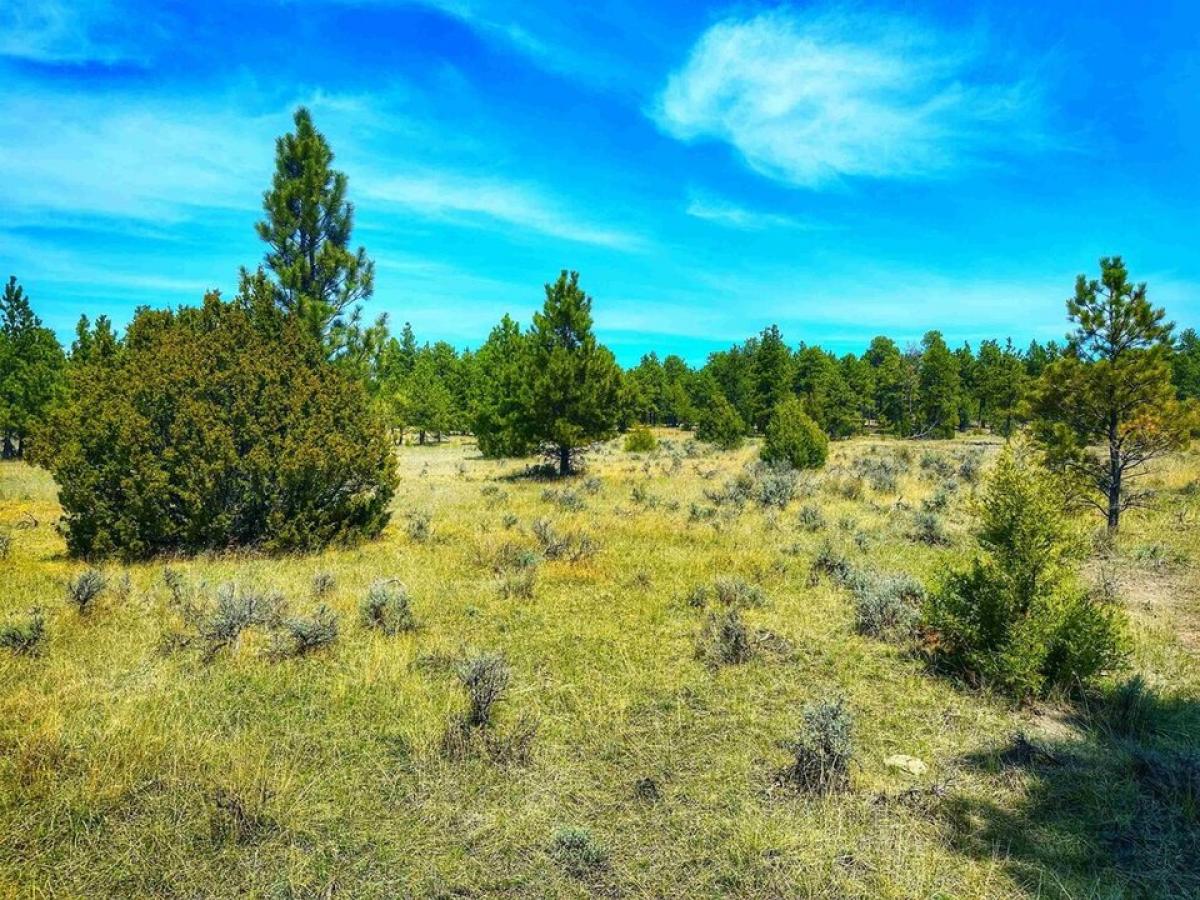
(840,169)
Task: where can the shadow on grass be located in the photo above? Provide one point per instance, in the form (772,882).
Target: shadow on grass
(1114,814)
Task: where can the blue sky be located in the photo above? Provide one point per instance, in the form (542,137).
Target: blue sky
(843,170)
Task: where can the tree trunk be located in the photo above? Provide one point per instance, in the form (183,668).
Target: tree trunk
(421,439)
(564,460)
(9,451)
(1114,481)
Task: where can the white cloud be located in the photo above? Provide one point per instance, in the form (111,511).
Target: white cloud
(452,195)
(809,98)
(77,31)
(711,208)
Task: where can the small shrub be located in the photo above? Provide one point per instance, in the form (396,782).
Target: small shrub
(824,749)
(301,635)
(323,583)
(969,469)
(25,637)
(510,520)
(811,518)
(927,528)
(592,485)
(571,546)
(220,625)
(830,561)
(519,585)
(937,501)
(732,591)
(887,605)
(777,485)
(419,528)
(794,438)
(577,851)
(5,545)
(387,607)
(485,679)
(640,440)
(1018,617)
(83,590)
(936,465)
(724,640)
(736,492)
(568,500)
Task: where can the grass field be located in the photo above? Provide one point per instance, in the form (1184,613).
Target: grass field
(132,765)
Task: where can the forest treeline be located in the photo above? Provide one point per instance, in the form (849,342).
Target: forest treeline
(234,422)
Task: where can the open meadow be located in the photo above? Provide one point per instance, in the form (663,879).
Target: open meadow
(640,747)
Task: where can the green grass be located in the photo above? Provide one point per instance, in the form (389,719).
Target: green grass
(128,768)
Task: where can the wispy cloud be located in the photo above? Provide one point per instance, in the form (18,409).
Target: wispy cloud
(809,98)
(478,200)
(711,208)
(76,31)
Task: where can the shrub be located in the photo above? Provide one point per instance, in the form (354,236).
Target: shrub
(822,753)
(301,635)
(387,608)
(26,636)
(84,589)
(732,591)
(724,639)
(927,528)
(216,427)
(520,584)
(1017,617)
(777,484)
(887,605)
(418,526)
(5,545)
(640,440)
(577,851)
(794,438)
(323,583)
(831,562)
(570,546)
(220,625)
(811,518)
(719,424)
(485,679)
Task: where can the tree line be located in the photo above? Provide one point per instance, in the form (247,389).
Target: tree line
(1119,390)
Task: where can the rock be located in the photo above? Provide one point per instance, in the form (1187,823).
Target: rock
(909,764)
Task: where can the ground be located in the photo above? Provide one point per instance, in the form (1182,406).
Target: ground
(131,764)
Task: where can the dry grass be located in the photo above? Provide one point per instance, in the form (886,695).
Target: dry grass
(130,766)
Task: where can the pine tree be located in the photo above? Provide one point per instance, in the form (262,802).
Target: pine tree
(792,437)
(572,380)
(31,370)
(497,403)
(308,226)
(717,422)
(939,388)
(1185,365)
(1000,385)
(1110,390)
(425,401)
(772,376)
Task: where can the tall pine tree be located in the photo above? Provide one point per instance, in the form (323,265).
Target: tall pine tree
(1107,406)
(572,380)
(307,228)
(31,369)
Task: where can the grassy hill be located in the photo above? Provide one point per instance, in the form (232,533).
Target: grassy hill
(138,759)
